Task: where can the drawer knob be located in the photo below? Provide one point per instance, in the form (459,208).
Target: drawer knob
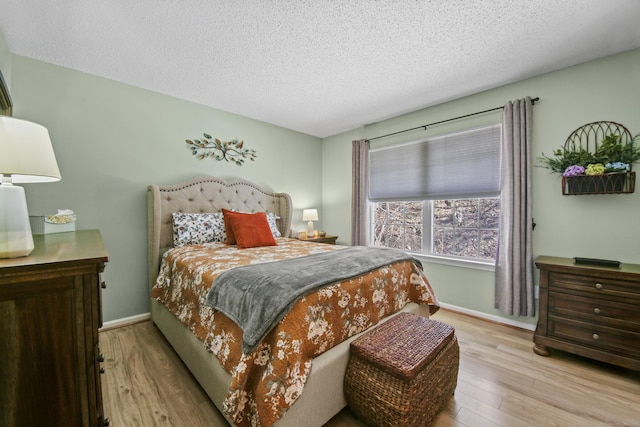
(103,285)
(596,336)
(596,310)
(598,285)
(102,370)
(101,358)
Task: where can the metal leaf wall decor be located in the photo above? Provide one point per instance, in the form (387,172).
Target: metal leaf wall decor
(230,151)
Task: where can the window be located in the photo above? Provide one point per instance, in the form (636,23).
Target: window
(398,225)
(439,196)
(466,228)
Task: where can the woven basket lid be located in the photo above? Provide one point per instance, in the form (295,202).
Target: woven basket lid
(404,345)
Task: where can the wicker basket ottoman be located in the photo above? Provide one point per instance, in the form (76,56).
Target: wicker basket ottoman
(403,372)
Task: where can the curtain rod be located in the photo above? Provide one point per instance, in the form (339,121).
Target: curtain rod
(533,101)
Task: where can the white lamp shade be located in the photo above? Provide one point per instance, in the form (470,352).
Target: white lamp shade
(310,215)
(26,153)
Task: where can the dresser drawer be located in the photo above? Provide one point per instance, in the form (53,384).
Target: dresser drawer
(600,287)
(595,335)
(616,314)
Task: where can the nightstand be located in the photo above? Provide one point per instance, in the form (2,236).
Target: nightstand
(331,240)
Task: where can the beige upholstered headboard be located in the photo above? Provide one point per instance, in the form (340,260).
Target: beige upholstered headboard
(206,194)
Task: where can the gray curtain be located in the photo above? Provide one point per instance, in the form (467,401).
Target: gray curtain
(514,293)
(360,179)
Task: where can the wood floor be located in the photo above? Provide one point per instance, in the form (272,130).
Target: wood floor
(501,382)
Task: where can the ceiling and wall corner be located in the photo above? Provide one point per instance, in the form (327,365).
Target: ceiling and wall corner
(320,67)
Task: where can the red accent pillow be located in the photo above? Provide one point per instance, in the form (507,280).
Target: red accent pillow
(231,238)
(248,230)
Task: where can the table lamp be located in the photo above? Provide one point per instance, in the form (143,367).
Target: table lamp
(310,215)
(26,156)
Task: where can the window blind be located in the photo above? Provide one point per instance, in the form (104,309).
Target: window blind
(457,165)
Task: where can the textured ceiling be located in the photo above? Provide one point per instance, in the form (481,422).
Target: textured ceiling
(319,66)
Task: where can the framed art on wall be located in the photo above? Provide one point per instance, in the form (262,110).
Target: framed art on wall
(5,98)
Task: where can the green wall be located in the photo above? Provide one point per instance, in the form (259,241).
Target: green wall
(599,226)
(112,140)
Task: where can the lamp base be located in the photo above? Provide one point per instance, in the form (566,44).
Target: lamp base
(310,232)
(15,230)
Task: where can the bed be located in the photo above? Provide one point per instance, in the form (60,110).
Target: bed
(322,395)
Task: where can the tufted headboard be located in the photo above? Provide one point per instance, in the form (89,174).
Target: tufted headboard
(205,194)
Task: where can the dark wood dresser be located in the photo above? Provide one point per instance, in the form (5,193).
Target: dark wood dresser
(589,310)
(50,312)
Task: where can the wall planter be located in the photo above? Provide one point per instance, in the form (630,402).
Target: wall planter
(596,159)
(610,183)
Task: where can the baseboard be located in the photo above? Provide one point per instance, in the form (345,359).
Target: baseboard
(489,317)
(125,321)
(497,319)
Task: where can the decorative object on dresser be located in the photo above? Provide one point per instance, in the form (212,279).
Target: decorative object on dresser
(50,313)
(403,372)
(596,159)
(63,221)
(310,215)
(230,151)
(590,309)
(26,156)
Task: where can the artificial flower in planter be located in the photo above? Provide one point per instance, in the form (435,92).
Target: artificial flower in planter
(617,167)
(594,169)
(574,170)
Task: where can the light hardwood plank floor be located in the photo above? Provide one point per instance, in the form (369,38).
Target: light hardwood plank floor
(501,382)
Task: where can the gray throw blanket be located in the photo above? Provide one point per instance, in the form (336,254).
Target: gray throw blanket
(257,297)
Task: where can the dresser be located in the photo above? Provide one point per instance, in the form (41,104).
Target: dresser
(50,312)
(589,310)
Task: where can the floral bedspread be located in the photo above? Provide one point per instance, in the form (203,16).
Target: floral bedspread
(266,382)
